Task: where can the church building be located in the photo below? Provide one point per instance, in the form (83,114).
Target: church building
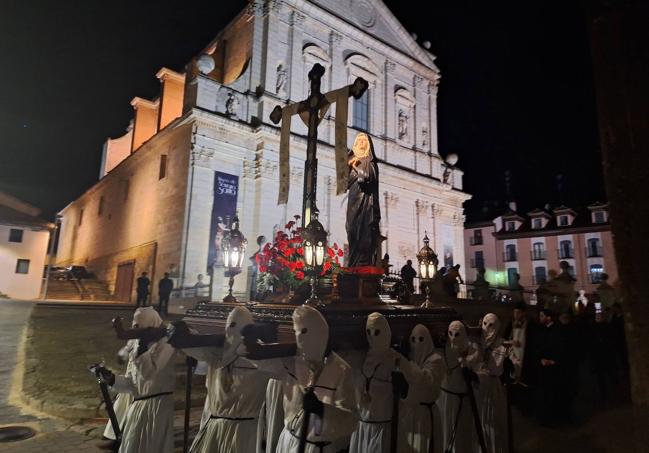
(205,149)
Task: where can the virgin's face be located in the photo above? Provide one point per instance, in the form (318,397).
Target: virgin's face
(361,146)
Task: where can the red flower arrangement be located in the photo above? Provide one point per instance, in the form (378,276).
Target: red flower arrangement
(281,262)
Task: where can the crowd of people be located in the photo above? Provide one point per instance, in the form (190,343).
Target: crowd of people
(290,398)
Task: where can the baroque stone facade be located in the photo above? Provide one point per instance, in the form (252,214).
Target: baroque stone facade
(221,123)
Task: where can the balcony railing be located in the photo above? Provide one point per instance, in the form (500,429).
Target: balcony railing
(537,255)
(476,240)
(594,252)
(510,256)
(566,253)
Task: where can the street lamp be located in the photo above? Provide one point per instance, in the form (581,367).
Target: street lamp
(233,245)
(314,244)
(428,262)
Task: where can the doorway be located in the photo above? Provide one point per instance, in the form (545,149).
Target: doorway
(124,281)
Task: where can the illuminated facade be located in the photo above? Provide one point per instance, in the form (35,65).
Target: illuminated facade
(532,246)
(153,208)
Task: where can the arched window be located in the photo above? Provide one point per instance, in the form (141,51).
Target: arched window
(565,249)
(510,252)
(361,112)
(593,248)
(596,271)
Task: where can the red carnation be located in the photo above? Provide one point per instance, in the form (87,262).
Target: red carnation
(326,266)
(299,264)
(335,246)
(262,268)
(299,275)
(340,252)
(300,251)
(330,252)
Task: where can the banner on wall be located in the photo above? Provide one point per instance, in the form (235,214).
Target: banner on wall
(224,208)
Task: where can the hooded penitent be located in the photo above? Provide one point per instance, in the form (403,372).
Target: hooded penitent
(145,317)
(490,328)
(378,334)
(311,333)
(238,318)
(421,344)
(457,337)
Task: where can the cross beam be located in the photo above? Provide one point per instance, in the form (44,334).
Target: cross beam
(311,110)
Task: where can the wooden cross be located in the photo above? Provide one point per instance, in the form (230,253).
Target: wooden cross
(311,111)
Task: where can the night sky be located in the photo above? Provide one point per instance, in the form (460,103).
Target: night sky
(516,91)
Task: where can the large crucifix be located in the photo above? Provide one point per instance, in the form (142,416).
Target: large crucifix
(311,111)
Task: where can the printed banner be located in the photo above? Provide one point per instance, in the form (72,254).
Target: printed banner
(224,208)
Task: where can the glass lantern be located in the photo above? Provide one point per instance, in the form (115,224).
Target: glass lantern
(233,246)
(314,243)
(428,262)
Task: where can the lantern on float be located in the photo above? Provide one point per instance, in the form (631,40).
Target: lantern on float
(233,247)
(314,243)
(428,262)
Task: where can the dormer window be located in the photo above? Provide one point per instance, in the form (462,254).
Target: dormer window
(563,220)
(599,217)
(511,226)
(537,224)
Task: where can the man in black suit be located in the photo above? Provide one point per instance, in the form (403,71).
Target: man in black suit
(165,286)
(550,362)
(142,290)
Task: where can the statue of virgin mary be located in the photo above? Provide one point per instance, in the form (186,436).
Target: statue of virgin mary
(363,210)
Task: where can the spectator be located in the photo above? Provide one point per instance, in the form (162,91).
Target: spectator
(408,274)
(165,286)
(143,284)
(519,334)
(549,353)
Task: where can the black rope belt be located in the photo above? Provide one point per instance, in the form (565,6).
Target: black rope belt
(232,419)
(155,395)
(319,445)
(461,395)
(375,422)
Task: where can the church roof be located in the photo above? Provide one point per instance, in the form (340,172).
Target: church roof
(374,17)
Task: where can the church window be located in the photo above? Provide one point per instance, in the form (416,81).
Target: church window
(596,271)
(15,235)
(163,167)
(22,266)
(361,112)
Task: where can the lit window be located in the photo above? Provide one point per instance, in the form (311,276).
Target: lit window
(596,271)
(22,266)
(15,235)
(362,112)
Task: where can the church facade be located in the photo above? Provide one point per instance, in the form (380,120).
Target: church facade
(206,149)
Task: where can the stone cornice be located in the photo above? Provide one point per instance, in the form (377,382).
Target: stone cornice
(166,73)
(366,40)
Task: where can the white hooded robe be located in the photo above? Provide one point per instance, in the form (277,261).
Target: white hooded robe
(148,426)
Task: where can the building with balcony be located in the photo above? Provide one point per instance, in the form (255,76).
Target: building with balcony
(533,244)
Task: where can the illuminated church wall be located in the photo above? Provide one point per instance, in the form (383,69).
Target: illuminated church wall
(228,130)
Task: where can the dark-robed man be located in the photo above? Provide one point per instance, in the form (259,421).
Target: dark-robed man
(550,358)
(165,286)
(142,290)
(363,210)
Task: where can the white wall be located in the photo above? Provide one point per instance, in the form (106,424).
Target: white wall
(33,248)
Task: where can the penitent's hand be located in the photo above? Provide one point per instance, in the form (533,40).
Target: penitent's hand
(119,328)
